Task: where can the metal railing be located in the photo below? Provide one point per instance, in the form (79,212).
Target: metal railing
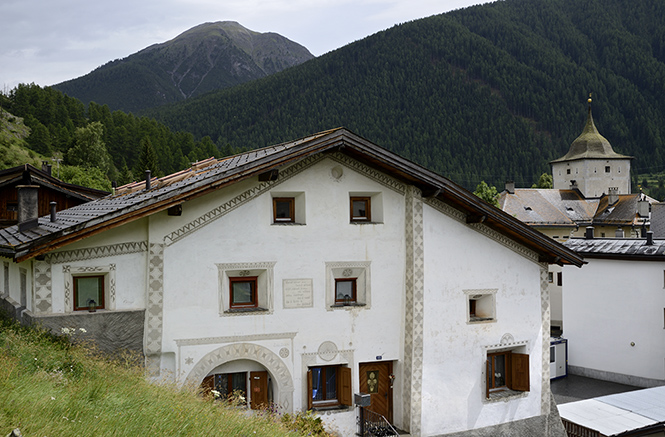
(371,424)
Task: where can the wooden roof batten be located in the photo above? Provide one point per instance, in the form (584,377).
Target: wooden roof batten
(275,157)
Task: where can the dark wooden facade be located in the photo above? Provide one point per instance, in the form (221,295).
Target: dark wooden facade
(50,190)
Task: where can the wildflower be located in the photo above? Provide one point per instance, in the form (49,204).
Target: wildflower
(82,330)
(52,398)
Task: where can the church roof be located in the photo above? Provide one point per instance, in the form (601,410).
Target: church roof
(590,145)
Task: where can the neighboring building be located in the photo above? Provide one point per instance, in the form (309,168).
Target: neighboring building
(304,273)
(614,310)
(591,187)
(42,185)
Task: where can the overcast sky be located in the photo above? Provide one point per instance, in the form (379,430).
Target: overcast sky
(50,41)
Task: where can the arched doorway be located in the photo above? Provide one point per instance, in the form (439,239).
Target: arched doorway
(279,374)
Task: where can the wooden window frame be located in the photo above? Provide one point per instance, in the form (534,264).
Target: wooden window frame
(254,293)
(516,371)
(354,284)
(292,212)
(344,388)
(368,209)
(101,304)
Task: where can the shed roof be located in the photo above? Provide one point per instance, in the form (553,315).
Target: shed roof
(619,413)
(134,201)
(619,248)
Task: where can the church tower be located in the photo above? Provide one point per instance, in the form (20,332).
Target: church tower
(592,166)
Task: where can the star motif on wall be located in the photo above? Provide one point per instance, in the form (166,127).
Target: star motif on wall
(189,360)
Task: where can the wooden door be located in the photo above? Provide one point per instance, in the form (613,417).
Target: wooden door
(375,380)
(258,387)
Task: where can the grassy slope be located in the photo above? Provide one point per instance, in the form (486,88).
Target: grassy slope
(48,388)
(13,149)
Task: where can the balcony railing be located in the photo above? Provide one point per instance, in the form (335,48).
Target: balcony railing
(371,424)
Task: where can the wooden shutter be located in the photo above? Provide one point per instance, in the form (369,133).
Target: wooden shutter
(309,389)
(208,384)
(488,375)
(345,395)
(519,370)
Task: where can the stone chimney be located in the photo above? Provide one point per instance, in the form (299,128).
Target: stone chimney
(510,187)
(613,195)
(46,167)
(589,233)
(619,232)
(643,208)
(28,207)
(649,238)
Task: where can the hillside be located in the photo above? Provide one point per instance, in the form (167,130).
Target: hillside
(491,92)
(207,57)
(13,148)
(48,387)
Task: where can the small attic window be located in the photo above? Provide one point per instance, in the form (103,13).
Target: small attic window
(570,209)
(527,208)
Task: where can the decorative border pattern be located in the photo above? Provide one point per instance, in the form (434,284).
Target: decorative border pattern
(96,252)
(234,339)
(240,200)
(268,359)
(546,314)
(382,178)
(109,283)
(154,309)
(483,229)
(42,302)
(414,310)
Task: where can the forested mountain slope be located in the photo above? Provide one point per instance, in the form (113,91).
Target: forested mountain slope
(207,57)
(491,92)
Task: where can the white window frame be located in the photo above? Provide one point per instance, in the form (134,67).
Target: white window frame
(299,211)
(376,206)
(108,271)
(343,270)
(264,272)
(485,303)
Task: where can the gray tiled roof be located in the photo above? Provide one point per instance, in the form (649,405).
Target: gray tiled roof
(617,247)
(134,196)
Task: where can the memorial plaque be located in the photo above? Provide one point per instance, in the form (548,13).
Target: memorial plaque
(298,293)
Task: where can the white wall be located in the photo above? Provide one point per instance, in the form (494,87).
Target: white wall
(458,258)
(609,304)
(192,290)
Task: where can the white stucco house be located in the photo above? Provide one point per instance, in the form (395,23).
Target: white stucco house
(614,310)
(305,273)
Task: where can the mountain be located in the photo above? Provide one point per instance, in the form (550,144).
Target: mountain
(491,92)
(205,58)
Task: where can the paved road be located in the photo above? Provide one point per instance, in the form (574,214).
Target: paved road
(575,388)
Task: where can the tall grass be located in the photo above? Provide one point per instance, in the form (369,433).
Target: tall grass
(50,388)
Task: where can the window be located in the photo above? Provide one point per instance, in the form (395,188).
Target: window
(283,209)
(481,305)
(245,288)
(86,283)
(345,290)
(361,209)
(243,292)
(88,292)
(559,279)
(288,207)
(607,169)
(229,385)
(507,372)
(567,171)
(550,277)
(328,386)
(350,279)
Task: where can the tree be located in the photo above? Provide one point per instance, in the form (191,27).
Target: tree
(91,177)
(545,181)
(487,193)
(89,151)
(147,159)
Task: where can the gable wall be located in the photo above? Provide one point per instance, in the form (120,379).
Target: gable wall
(458,258)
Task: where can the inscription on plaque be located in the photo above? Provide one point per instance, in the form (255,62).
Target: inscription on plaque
(298,293)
